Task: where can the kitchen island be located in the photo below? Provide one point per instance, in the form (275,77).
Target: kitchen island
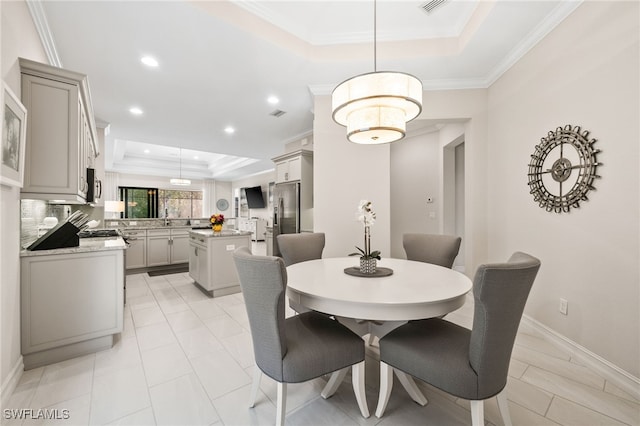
(211,260)
(72,300)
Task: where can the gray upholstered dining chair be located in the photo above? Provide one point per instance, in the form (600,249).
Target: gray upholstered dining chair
(297,248)
(432,248)
(295,349)
(470,364)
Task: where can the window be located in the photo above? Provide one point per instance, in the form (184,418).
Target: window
(154,202)
(180,204)
(139,202)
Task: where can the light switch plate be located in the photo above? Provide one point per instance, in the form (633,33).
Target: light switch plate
(231,247)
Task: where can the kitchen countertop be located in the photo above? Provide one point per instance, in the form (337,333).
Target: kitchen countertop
(86,245)
(208,233)
(141,227)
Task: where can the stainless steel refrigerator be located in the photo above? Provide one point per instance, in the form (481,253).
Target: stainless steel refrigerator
(286,211)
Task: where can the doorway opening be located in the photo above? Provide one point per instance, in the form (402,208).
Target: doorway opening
(454,195)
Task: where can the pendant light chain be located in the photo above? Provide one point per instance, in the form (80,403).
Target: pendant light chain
(375,38)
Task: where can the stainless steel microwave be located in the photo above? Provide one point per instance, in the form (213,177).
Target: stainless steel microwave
(94,189)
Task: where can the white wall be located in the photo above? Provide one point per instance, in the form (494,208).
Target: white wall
(18,39)
(586,73)
(415,175)
(343,174)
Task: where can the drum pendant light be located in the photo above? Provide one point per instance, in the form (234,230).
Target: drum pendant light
(376,106)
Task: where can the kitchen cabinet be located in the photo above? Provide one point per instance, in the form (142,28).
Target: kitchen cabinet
(136,254)
(179,245)
(61,133)
(158,249)
(167,246)
(211,263)
(289,169)
(198,259)
(71,303)
(257,227)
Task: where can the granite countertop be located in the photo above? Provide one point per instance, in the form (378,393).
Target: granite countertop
(208,233)
(124,228)
(86,245)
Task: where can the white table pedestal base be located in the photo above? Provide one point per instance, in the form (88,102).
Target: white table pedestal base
(377,329)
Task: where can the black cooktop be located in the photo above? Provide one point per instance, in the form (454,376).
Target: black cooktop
(96,233)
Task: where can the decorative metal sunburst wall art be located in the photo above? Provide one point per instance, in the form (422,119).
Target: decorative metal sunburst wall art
(563,168)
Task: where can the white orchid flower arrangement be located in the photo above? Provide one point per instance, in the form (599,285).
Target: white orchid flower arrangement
(367,217)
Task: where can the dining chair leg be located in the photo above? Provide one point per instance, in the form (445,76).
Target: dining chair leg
(255,386)
(386,384)
(410,386)
(503,405)
(357,376)
(334,383)
(281,405)
(477,413)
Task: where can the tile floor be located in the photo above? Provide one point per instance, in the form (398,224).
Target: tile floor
(186,359)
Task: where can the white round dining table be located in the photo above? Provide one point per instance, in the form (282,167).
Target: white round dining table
(376,305)
(414,290)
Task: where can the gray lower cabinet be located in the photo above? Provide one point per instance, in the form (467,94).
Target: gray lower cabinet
(158,249)
(136,254)
(179,245)
(167,246)
(71,304)
(211,263)
(198,260)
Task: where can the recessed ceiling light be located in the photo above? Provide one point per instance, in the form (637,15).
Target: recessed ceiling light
(146,151)
(273,100)
(195,157)
(135,111)
(149,61)
(230,130)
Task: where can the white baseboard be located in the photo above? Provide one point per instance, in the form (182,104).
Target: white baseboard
(606,369)
(10,383)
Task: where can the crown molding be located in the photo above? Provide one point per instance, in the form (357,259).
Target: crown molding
(42,27)
(558,15)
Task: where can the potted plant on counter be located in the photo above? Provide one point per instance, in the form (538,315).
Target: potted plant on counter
(217,220)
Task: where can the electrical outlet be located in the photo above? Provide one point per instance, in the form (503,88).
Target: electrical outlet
(564,306)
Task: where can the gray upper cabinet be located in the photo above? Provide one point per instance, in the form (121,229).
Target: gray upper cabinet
(61,133)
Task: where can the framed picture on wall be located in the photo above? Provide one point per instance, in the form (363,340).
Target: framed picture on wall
(14,135)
